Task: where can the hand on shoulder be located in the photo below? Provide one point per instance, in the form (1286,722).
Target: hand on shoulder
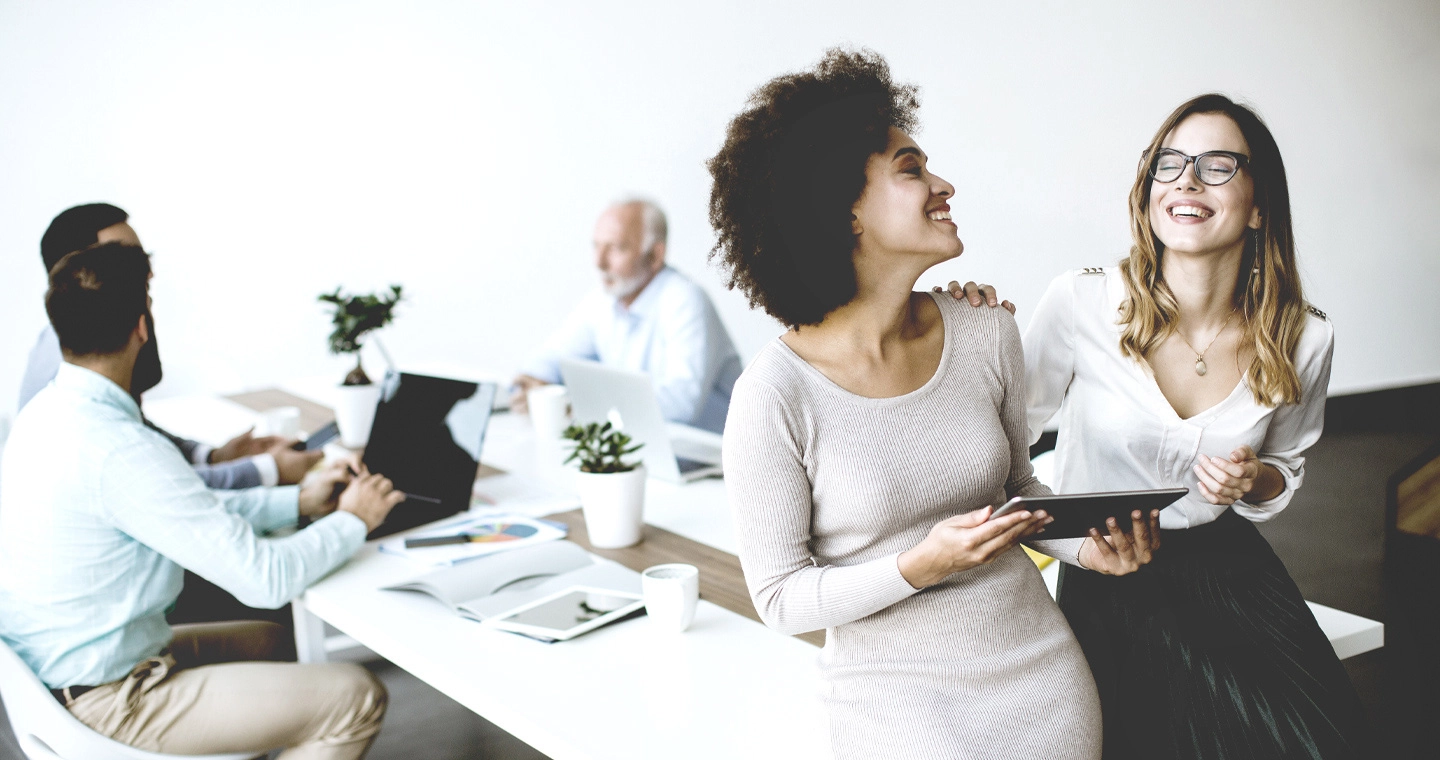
(976,295)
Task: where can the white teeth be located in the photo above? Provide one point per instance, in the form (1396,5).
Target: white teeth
(939,215)
(1190,211)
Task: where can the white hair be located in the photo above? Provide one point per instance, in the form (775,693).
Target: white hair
(652,221)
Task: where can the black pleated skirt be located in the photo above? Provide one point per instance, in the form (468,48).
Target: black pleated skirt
(1210,652)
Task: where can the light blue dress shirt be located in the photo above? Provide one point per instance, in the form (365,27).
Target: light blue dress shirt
(246,472)
(100,514)
(671,332)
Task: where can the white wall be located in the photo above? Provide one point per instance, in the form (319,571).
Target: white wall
(270,151)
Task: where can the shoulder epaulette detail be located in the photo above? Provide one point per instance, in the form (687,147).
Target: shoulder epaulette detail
(1093,270)
(1316,312)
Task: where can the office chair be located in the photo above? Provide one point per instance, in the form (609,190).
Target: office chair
(47,731)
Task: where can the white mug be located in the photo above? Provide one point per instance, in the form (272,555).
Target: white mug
(549,410)
(671,593)
(282,421)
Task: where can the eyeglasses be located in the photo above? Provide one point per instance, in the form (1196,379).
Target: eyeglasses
(1215,167)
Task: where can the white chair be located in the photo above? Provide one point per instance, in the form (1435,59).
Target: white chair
(47,731)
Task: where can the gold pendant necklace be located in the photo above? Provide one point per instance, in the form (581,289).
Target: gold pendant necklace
(1200,368)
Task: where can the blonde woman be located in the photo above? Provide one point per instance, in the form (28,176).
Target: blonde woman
(1196,362)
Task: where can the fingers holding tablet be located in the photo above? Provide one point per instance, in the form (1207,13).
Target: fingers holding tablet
(965,541)
(1026,524)
(1123,552)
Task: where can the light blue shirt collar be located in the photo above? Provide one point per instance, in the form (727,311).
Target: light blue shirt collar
(96,387)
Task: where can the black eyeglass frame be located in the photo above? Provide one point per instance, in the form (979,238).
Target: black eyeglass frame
(1242,161)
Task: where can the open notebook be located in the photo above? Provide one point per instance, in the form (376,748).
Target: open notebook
(499,584)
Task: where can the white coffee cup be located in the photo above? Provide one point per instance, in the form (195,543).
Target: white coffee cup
(671,593)
(549,410)
(282,421)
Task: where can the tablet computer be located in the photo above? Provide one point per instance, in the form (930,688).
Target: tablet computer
(317,440)
(1076,513)
(568,613)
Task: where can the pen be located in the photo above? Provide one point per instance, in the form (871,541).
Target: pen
(459,538)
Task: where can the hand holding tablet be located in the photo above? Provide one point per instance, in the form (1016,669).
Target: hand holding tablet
(1121,553)
(1124,526)
(1077,514)
(965,541)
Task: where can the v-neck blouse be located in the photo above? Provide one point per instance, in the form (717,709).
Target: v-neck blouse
(1118,432)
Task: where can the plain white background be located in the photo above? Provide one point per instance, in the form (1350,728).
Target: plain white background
(270,151)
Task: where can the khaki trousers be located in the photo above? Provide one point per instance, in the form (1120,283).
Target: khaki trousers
(214,691)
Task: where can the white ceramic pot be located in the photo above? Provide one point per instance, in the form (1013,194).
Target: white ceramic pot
(614,505)
(355,412)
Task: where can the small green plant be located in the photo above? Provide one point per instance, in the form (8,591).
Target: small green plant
(601,448)
(353,316)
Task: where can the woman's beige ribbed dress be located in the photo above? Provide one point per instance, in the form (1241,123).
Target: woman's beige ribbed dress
(828,488)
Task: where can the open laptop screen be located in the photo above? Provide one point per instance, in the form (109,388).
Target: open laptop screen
(426,438)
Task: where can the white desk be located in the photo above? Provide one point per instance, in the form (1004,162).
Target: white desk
(728,687)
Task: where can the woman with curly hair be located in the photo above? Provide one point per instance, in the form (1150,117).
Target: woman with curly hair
(866,445)
(1197,362)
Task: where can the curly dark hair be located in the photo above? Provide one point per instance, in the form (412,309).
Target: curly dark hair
(789,173)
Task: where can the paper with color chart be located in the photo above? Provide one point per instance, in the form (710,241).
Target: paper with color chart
(490,532)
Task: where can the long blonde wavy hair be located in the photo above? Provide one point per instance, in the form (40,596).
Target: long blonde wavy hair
(1267,287)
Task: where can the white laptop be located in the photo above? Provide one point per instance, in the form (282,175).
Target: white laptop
(674,452)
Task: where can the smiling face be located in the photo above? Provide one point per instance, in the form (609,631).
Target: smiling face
(1189,216)
(903,209)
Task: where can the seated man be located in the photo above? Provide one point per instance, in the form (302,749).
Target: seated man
(98,514)
(244,462)
(645,318)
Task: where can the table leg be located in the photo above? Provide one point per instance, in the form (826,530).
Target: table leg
(309,634)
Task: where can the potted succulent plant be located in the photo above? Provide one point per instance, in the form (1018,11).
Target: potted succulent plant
(612,490)
(352,317)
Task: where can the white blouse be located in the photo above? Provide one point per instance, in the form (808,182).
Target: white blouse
(1118,432)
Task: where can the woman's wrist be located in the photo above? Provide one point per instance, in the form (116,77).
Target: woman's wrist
(920,567)
(1268,485)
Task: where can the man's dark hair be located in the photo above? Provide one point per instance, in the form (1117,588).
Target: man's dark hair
(97,296)
(789,173)
(77,228)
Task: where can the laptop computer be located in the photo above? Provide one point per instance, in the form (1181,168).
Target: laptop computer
(426,439)
(674,452)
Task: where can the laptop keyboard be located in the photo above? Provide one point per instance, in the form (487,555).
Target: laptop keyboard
(690,465)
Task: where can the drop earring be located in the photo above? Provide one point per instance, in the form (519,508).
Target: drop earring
(1255,269)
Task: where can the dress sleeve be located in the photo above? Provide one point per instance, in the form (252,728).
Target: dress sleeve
(1050,353)
(771,498)
(1295,428)
(1022,480)
(1010,359)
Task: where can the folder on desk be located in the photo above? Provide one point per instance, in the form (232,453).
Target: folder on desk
(497,585)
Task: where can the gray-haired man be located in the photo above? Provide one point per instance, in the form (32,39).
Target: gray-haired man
(645,317)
